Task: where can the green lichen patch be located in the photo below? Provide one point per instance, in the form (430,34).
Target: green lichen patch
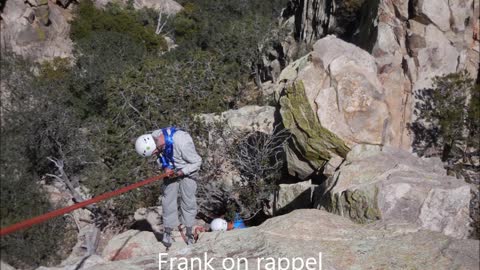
(41,34)
(360,205)
(314,142)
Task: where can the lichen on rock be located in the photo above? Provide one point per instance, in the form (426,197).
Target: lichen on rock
(310,139)
(360,205)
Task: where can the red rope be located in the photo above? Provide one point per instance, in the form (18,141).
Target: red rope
(32,221)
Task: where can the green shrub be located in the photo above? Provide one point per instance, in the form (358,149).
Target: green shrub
(21,198)
(25,142)
(473,117)
(442,114)
(89,20)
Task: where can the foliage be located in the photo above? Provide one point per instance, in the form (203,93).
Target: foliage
(473,117)
(259,157)
(114,19)
(101,56)
(255,157)
(442,114)
(27,126)
(235,31)
(349,8)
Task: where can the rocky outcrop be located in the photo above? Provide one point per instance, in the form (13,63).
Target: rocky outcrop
(399,25)
(36,29)
(290,197)
(39,29)
(330,100)
(151,215)
(315,19)
(410,41)
(246,119)
(393,185)
(413,45)
(312,145)
(305,234)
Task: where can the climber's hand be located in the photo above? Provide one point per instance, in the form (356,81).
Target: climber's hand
(169,172)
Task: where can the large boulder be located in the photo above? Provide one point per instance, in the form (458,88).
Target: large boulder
(330,100)
(397,187)
(410,41)
(353,106)
(306,234)
(312,145)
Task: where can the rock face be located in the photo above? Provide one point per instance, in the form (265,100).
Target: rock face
(431,38)
(151,215)
(318,18)
(131,244)
(397,187)
(347,103)
(312,145)
(38,29)
(245,119)
(293,196)
(306,233)
(410,41)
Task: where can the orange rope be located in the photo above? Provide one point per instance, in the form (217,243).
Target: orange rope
(32,221)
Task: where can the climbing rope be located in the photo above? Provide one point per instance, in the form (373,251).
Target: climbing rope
(32,221)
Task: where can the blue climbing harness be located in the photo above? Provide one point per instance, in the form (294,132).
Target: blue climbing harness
(166,158)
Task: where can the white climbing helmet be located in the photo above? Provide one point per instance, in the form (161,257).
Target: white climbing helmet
(219,224)
(145,145)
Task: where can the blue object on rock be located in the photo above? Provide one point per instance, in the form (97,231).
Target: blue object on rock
(238,222)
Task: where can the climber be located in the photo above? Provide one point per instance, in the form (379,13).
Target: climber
(220,224)
(178,158)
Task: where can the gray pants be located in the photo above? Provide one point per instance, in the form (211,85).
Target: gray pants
(188,202)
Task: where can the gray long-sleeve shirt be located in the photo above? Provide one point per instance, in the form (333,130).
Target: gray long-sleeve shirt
(185,155)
